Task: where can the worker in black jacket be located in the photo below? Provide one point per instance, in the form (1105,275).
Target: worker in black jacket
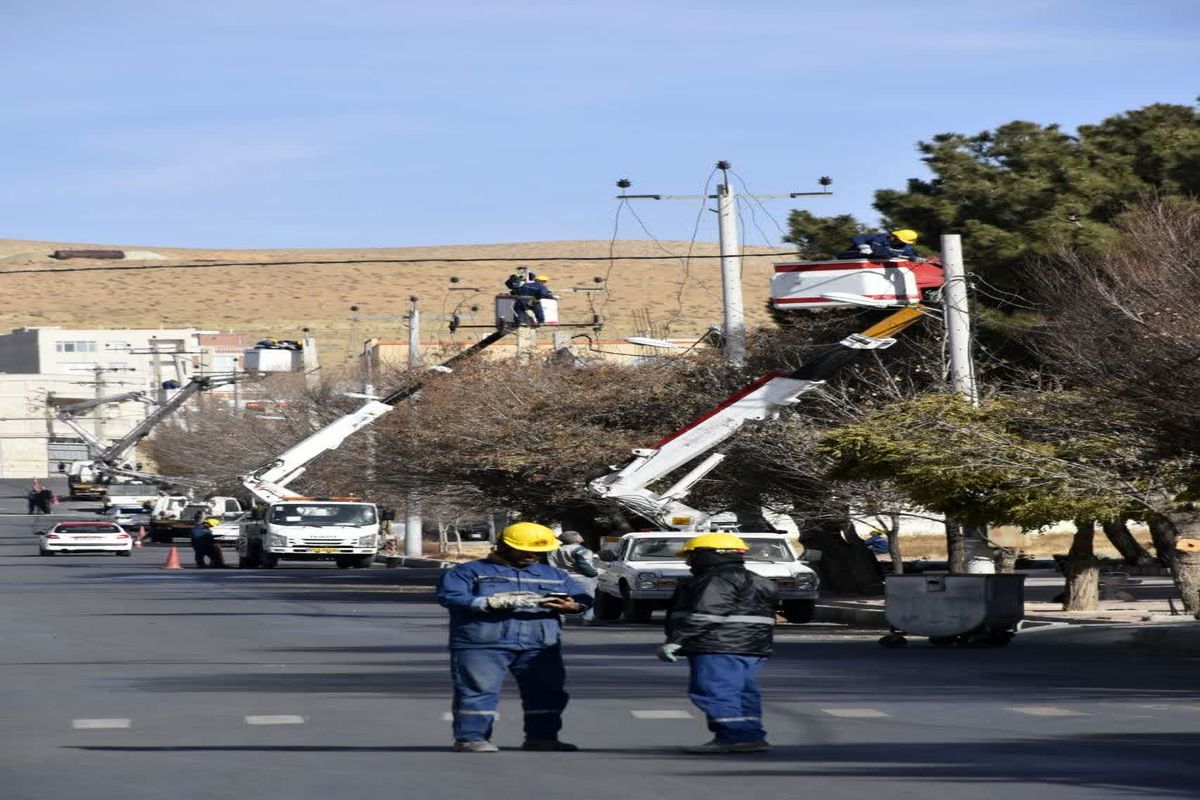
(722,618)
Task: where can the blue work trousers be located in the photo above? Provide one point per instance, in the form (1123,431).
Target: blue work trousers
(524,304)
(478,673)
(725,688)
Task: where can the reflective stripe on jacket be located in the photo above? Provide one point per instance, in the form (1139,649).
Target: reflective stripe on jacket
(724,609)
(463,589)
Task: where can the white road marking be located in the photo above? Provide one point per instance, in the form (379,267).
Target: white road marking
(1047,711)
(98,724)
(856,713)
(275,719)
(665,713)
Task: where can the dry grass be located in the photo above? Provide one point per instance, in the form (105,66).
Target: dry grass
(280,300)
(1043,545)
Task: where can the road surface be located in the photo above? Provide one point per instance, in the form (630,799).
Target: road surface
(121,680)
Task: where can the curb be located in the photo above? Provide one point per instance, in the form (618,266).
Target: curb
(414,562)
(851,614)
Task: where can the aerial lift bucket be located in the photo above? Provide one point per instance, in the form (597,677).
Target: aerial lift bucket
(810,284)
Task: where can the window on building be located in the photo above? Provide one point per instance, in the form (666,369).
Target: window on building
(116,345)
(75,347)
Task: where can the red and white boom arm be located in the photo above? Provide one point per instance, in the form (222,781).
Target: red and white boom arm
(764,399)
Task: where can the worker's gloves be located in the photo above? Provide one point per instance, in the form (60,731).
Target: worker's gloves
(507,601)
(667,652)
(865,249)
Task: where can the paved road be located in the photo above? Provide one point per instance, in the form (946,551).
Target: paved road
(120,680)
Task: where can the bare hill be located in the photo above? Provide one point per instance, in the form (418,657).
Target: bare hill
(279,299)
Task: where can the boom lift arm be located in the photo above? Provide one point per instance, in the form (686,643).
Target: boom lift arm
(764,399)
(268,483)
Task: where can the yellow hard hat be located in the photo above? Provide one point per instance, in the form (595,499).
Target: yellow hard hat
(906,235)
(530,537)
(542,278)
(715,541)
(212,522)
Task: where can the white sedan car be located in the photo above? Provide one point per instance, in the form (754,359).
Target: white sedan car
(85,537)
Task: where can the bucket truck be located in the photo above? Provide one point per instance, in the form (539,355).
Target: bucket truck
(83,479)
(344,529)
(630,586)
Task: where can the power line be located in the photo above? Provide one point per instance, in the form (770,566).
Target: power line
(503,259)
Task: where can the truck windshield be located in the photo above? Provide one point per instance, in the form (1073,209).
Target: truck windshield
(323,514)
(667,549)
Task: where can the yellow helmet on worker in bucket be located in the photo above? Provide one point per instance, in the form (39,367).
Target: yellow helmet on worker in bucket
(212,522)
(541,278)
(715,541)
(906,235)
(530,537)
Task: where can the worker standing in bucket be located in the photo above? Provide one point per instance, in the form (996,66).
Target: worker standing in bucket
(505,617)
(528,297)
(722,619)
(897,244)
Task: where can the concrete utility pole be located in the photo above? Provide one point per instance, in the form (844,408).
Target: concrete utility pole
(101,389)
(734,328)
(957,316)
(311,361)
(731,271)
(412,518)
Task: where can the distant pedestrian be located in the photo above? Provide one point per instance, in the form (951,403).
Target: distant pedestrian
(45,499)
(722,618)
(32,497)
(505,618)
(576,560)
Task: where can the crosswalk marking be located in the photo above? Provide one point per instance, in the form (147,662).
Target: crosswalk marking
(664,713)
(1046,711)
(98,724)
(856,713)
(275,719)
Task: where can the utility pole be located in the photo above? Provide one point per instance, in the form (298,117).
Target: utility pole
(98,425)
(734,316)
(412,518)
(957,316)
(311,361)
(731,271)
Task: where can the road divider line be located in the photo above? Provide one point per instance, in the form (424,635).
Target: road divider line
(662,713)
(275,719)
(855,713)
(1046,711)
(99,724)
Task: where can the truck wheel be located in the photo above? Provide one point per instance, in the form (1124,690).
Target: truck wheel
(633,610)
(798,612)
(364,562)
(267,560)
(344,562)
(607,608)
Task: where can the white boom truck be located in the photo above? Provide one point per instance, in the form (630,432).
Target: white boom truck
(628,484)
(108,463)
(346,530)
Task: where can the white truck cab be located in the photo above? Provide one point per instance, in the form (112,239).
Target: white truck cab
(310,529)
(643,569)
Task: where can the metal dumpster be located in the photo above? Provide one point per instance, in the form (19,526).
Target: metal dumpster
(954,609)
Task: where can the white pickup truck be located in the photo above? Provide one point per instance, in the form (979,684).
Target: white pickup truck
(642,569)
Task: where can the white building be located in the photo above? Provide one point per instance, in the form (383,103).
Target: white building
(42,369)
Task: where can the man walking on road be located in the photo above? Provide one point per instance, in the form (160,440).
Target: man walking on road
(722,618)
(505,617)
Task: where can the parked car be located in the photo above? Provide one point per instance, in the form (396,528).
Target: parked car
(227,531)
(128,516)
(643,569)
(85,537)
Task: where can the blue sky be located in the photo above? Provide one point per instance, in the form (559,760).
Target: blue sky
(358,123)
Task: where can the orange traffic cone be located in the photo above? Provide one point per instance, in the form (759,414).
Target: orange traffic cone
(140,536)
(172,559)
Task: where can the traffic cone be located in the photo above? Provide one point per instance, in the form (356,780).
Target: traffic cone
(140,536)
(172,559)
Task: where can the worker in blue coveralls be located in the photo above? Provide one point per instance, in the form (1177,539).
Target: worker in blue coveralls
(505,616)
(897,244)
(529,297)
(722,618)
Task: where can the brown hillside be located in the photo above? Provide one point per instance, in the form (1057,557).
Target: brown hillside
(657,297)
